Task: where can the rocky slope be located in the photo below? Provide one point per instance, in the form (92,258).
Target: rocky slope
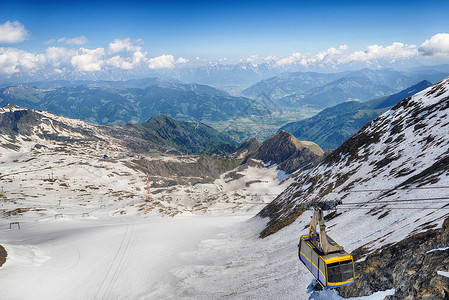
(410,266)
(247,148)
(162,133)
(287,153)
(381,174)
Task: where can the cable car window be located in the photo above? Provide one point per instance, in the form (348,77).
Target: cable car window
(340,271)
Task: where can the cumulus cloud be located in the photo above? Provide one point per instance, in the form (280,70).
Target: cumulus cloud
(87,60)
(127,44)
(438,45)
(160,62)
(182,60)
(375,52)
(13,61)
(57,56)
(127,63)
(294,58)
(13,32)
(165,61)
(336,56)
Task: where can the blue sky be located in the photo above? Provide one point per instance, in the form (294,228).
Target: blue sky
(236,30)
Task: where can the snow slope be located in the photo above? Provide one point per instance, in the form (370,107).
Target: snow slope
(401,155)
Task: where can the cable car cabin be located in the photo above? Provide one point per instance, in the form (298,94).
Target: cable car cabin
(331,270)
(331,265)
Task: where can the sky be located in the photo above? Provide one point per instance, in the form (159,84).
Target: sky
(89,36)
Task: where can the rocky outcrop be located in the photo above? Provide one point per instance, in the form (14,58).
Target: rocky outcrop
(184,170)
(287,152)
(409,266)
(3,255)
(247,148)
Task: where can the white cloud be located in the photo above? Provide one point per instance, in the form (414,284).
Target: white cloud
(165,61)
(127,63)
(336,56)
(14,60)
(88,60)
(120,62)
(78,41)
(182,60)
(160,62)
(58,56)
(294,58)
(438,45)
(127,44)
(13,32)
(375,52)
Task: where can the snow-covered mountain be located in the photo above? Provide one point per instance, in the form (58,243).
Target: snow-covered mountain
(380,174)
(41,144)
(83,219)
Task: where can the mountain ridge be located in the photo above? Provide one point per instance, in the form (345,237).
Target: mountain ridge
(332,126)
(287,153)
(157,134)
(133,105)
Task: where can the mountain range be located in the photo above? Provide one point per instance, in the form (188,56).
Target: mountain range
(104,105)
(332,126)
(161,134)
(320,90)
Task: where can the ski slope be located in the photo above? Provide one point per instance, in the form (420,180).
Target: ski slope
(130,257)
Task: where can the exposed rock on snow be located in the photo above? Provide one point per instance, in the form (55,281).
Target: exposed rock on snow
(3,255)
(287,152)
(246,148)
(408,266)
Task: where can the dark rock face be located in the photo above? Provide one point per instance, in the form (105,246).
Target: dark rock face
(287,152)
(186,171)
(248,147)
(3,255)
(410,266)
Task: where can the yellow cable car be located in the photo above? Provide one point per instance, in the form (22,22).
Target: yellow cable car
(328,262)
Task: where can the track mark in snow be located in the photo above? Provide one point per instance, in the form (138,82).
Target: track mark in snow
(122,255)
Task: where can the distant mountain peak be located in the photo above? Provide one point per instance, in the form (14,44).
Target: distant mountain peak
(11,107)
